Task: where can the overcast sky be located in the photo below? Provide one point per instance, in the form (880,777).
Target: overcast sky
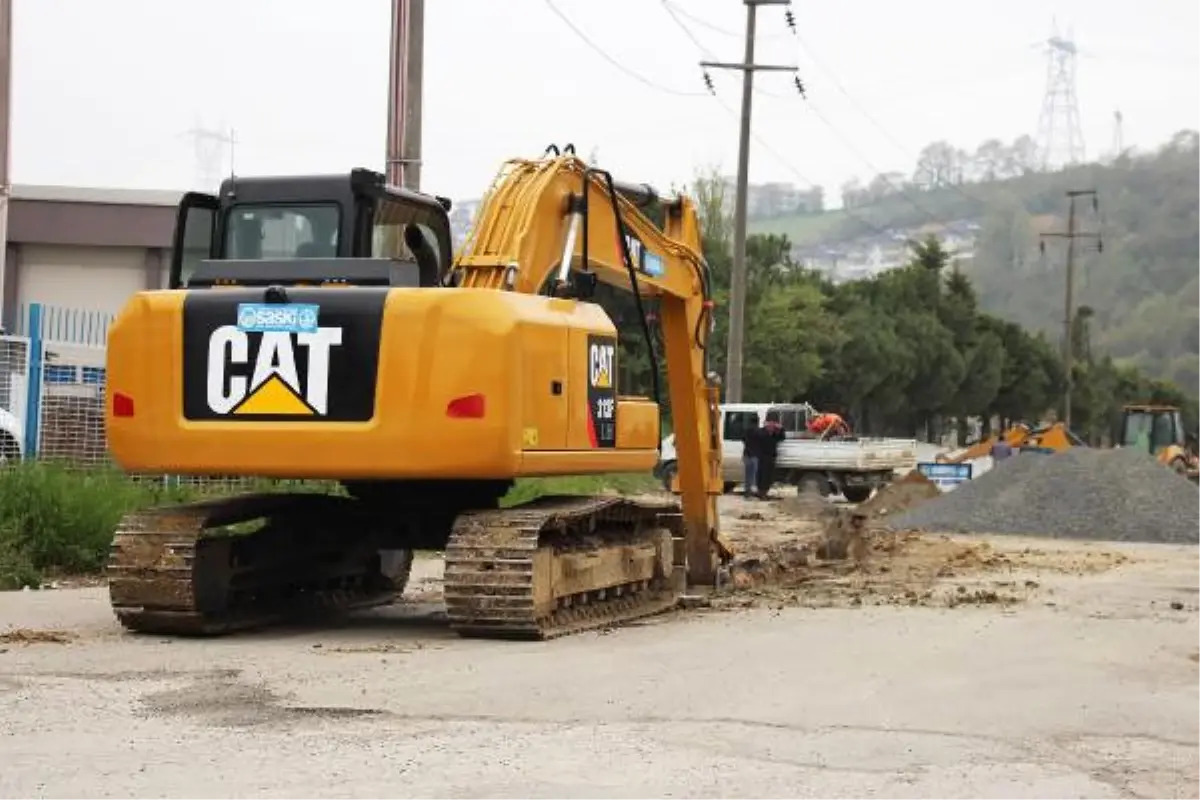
(106,90)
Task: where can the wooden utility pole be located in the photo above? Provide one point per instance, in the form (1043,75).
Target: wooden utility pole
(5,130)
(1072,233)
(404,94)
(737,281)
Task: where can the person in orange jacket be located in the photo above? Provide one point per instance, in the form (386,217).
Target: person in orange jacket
(827,421)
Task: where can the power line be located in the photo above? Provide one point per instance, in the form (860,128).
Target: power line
(758,139)
(765,145)
(845,141)
(682,12)
(674,13)
(600,52)
(668,7)
(887,134)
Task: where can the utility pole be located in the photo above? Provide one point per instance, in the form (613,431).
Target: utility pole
(1071,235)
(5,129)
(404,94)
(737,282)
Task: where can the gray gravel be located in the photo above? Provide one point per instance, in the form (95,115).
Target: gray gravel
(1117,495)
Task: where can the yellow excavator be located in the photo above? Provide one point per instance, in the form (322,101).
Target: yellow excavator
(1044,438)
(318,328)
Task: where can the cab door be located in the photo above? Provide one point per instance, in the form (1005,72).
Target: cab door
(195,236)
(734,425)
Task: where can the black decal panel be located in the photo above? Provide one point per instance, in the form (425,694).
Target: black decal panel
(602,391)
(315,357)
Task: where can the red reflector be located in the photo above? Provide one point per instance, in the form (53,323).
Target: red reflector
(122,405)
(470,406)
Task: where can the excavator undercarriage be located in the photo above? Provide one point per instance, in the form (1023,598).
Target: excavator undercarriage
(552,566)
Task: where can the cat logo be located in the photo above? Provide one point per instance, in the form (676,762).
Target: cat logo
(258,373)
(600,365)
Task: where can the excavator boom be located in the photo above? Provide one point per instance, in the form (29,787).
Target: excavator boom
(318,328)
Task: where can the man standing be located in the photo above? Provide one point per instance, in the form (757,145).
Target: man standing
(1001,449)
(769,436)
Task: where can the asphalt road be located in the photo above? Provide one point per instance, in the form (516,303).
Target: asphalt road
(1090,691)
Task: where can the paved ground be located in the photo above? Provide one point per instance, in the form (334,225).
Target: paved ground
(1086,689)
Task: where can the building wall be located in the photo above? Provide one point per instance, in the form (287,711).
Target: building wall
(96,278)
(84,248)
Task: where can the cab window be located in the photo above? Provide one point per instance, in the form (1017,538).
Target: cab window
(1163,432)
(738,424)
(389,228)
(791,420)
(283,232)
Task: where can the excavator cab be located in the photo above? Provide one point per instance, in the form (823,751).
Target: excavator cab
(304,230)
(1159,431)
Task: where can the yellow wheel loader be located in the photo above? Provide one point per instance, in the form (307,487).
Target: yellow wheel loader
(1158,430)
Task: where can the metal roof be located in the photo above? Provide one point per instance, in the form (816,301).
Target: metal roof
(96,195)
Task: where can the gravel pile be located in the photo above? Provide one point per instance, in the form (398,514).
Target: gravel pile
(1118,495)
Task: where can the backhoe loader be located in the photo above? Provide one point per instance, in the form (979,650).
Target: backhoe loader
(1050,438)
(1158,430)
(317,328)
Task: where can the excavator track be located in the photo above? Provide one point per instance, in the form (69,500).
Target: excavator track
(188,570)
(561,565)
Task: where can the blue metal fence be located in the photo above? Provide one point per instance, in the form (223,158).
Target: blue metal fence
(46,326)
(77,326)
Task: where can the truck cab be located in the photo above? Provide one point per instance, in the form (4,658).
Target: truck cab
(736,419)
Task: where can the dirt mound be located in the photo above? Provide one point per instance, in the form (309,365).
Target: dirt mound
(908,568)
(900,495)
(1080,493)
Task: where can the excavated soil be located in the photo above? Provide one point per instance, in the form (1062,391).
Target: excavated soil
(31,636)
(808,552)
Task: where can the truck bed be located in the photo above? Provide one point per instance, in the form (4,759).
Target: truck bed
(859,455)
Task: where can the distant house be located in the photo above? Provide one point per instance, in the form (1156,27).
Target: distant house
(865,256)
(774,199)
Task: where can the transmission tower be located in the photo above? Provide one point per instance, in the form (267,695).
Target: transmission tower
(1118,134)
(1060,134)
(210,147)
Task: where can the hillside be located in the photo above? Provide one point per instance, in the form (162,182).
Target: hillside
(1142,290)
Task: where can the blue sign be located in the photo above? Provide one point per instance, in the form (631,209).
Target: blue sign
(946,476)
(277,318)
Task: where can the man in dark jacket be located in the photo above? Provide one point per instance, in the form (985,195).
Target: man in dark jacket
(765,447)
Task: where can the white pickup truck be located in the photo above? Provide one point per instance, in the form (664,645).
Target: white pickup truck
(850,467)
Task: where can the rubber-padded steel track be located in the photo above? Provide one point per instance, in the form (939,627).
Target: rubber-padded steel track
(501,566)
(170,572)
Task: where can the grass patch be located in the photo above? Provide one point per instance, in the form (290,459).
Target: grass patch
(59,520)
(56,519)
(527,489)
(801,229)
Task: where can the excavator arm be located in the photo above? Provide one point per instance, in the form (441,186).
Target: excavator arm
(557,227)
